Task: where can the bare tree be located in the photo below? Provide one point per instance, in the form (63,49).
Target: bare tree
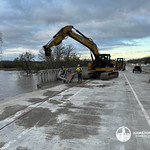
(48,62)
(42,56)
(26,60)
(69,51)
(59,52)
(70,58)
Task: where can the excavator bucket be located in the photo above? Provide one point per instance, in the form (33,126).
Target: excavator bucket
(47,51)
(109,75)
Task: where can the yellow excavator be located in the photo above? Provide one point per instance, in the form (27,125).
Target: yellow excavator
(101,64)
(120,64)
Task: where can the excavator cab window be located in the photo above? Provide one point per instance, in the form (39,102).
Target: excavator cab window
(119,59)
(105,60)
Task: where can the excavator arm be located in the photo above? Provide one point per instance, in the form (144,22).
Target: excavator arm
(73,33)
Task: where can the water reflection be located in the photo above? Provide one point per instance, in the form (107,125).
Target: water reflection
(16,82)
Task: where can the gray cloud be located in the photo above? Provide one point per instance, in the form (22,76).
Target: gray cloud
(30,23)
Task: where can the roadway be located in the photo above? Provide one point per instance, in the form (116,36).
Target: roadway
(81,116)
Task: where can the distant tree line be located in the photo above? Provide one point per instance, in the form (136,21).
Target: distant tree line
(144,60)
(61,56)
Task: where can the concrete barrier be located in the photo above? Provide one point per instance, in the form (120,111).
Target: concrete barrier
(46,76)
(146,69)
(50,75)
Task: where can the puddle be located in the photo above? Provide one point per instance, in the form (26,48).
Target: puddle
(101,86)
(11,110)
(67,96)
(95,104)
(38,117)
(42,117)
(21,148)
(50,93)
(78,124)
(55,102)
(2,144)
(35,100)
(94,82)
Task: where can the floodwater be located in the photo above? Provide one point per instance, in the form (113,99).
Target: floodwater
(15,82)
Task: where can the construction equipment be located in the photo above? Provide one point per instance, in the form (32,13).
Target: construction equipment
(65,75)
(120,64)
(100,62)
(137,69)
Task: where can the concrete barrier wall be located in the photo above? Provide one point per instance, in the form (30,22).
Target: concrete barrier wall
(146,69)
(45,76)
(50,75)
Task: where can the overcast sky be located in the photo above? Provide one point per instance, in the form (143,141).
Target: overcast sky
(118,27)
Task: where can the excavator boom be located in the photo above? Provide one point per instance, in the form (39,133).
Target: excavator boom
(68,31)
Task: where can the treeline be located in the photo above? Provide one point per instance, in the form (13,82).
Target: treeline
(61,56)
(7,64)
(144,60)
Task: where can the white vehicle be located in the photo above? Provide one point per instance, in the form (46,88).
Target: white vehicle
(148,65)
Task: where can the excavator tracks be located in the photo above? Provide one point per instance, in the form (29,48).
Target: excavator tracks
(109,75)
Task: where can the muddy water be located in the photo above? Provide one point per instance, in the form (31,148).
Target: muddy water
(15,82)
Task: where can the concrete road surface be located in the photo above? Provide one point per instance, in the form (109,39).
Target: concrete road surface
(93,115)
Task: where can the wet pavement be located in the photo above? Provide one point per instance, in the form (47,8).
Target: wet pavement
(81,116)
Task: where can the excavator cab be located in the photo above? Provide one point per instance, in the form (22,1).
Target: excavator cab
(102,61)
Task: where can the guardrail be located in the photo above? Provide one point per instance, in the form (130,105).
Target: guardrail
(50,75)
(146,69)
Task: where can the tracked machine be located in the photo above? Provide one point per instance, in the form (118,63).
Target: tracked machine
(120,64)
(101,66)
